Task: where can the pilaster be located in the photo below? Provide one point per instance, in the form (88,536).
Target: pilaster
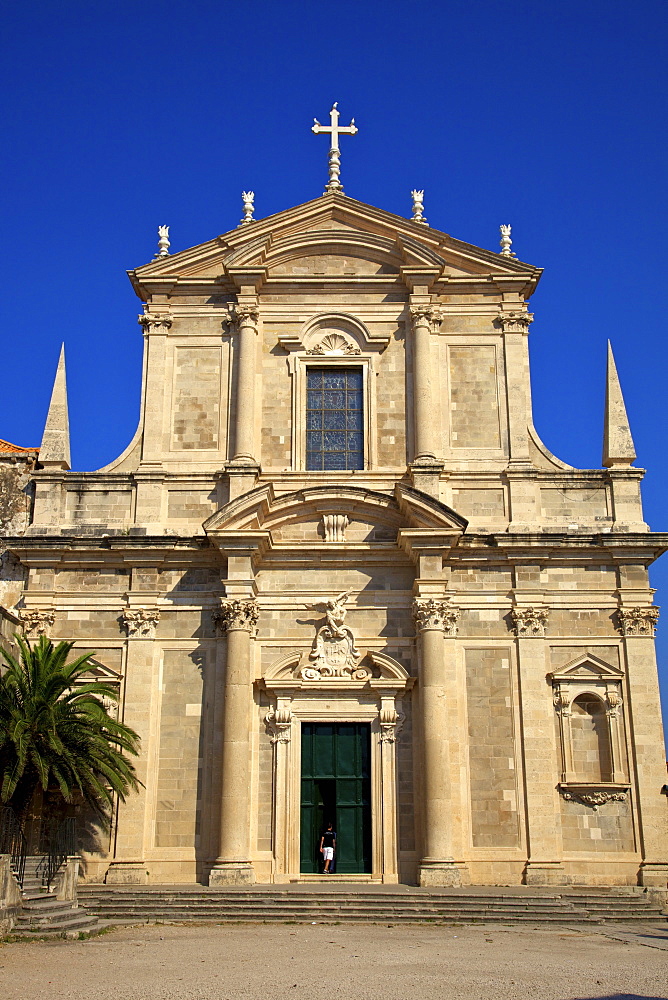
(140,709)
(636,625)
(541,754)
(514,320)
(156,325)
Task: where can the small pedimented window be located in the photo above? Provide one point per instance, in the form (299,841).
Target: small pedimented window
(588,699)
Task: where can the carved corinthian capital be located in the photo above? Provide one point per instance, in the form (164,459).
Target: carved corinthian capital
(530,623)
(429,314)
(148,320)
(517,321)
(35,623)
(140,623)
(246,314)
(431,614)
(236,615)
(638,621)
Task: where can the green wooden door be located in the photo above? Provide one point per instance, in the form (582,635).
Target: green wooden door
(336,788)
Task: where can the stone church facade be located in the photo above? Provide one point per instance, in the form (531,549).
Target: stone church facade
(337,576)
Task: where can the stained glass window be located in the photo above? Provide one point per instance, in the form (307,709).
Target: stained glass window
(334,430)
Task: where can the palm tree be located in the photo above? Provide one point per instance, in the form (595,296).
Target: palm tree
(55,731)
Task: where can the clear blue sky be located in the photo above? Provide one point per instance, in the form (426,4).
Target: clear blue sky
(550,116)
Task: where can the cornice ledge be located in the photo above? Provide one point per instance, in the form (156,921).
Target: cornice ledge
(67,543)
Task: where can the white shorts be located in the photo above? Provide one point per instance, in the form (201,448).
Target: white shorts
(328,853)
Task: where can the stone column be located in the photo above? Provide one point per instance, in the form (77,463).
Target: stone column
(233,865)
(542,767)
(244,424)
(435,619)
(427,438)
(646,732)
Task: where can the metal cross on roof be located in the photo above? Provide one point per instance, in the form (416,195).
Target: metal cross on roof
(335,130)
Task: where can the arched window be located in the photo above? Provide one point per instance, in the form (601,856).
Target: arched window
(590,736)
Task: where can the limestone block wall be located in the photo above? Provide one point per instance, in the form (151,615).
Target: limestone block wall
(492,748)
(180,751)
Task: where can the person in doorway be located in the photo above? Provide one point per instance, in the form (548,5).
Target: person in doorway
(327,847)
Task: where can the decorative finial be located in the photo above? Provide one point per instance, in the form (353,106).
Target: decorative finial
(248,197)
(418,207)
(505,242)
(163,242)
(334,153)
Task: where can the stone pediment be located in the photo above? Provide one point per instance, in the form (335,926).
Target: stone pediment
(587,667)
(303,515)
(331,236)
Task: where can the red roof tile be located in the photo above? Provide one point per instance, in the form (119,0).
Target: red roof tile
(15,449)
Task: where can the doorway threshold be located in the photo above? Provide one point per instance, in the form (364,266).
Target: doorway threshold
(337,879)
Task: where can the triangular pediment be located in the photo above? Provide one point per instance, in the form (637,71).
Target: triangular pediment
(587,667)
(344,236)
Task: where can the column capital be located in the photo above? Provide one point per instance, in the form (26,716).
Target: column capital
(516,321)
(37,622)
(530,622)
(154,320)
(245,313)
(236,615)
(140,623)
(279,724)
(426,313)
(638,621)
(435,615)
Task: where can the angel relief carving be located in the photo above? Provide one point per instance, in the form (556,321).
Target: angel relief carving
(334,653)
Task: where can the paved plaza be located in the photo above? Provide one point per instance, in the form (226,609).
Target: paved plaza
(340,962)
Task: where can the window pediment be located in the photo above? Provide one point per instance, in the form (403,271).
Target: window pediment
(587,668)
(333,334)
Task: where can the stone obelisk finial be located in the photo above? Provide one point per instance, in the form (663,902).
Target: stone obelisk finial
(618,447)
(54,452)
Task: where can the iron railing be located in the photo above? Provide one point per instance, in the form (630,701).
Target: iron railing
(13,842)
(62,843)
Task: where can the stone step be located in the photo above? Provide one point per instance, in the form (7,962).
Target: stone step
(68,918)
(43,904)
(184,904)
(140,915)
(73,928)
(382,901)
(286,908)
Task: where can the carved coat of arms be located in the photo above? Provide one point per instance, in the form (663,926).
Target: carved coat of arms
(334,653)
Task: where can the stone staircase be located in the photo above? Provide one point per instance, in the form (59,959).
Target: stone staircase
(45,915)
(365,904)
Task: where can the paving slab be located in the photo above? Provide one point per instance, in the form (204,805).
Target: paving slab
(319,962)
